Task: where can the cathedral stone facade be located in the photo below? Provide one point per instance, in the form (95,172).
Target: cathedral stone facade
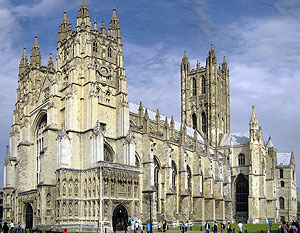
(82,156)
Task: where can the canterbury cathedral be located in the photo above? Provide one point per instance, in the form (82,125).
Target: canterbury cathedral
(82,156)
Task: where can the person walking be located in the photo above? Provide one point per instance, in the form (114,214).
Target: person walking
(283,227)
(229,228)
(207,227)
(5,228)
(241,227)
(12,227)
(215,227)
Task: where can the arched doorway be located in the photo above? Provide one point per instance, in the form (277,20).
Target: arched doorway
(29,217)
(120,218)
(241,198)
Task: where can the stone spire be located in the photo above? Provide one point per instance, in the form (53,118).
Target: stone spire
(65,29)
(23,63)
(254,127)
(95,26)
(50,63)
(103,29)
(114,27)
(83,17)
(224,65)
(35,55)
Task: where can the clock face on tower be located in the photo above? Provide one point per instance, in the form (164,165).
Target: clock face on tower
(104,71)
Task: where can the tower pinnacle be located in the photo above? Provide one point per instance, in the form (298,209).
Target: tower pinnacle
(65,29)
(35,55)
(83,17)
(24,62)
(114,27)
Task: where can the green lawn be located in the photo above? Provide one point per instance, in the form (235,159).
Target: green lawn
(251,228)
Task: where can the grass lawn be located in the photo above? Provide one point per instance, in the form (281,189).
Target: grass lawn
(251,228)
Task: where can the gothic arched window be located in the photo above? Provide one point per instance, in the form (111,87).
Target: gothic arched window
(174,174)
(241,160)
(95,46)
(281,203)
(194,87)
(156,181)
(137,161)
(203,90)
(108,154)
(40,143)
(109,53)
(282,183)
(194,118)
(189,179)
(204,125)
(281,173)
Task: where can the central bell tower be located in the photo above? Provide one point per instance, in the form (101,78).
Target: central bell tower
(205,97)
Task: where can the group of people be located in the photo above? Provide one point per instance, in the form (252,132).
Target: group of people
(133,226)
(285,228)
(12,227)
(223,227)
(162,226)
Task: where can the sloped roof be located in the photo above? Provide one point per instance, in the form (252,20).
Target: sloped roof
(134,108)
(269,143)
(284,159)
(240,138)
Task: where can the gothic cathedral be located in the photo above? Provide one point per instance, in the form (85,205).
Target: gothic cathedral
(81,156)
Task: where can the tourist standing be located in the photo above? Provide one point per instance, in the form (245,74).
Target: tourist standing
(229,228)
(283,227)
(164,225)
(207,227)
(215,227)
(241,227)
(12,227)
(159,226)
(5,228)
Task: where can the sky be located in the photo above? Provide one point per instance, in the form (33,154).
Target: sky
(260,39)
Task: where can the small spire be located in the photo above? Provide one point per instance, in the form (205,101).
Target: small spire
(103,29)
(185,60)
(211,46)
(198,65)
(253,111)
(95,25)
(83,16)
(157,116)
(35,40)
(65,29)
(172,124)
(146,114)
(35,55)
(114,27)
(224,59)
(166,123)
(50,63)
(65,16)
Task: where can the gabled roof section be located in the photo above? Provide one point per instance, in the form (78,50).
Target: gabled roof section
(269,144)
(284,159)
(134,108)
(240,138)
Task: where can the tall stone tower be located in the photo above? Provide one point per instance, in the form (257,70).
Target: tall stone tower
(205,98)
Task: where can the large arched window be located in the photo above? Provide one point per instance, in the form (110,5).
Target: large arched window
(174,174)
(203,90)
(156,181)
(204,125)
(281,173)
(189,179)
(282,183)
(241,160)
(108,153)
(194,118)
(40,143)
(242,193)
(281,203)
(194,87)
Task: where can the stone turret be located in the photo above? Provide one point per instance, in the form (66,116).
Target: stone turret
(23,63)
(50,63)
(114,27)
(65,29)
(83,17)
(212,58)
(35,55)
(254,127)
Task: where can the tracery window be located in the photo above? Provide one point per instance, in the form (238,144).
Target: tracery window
(95,46)
(189,179)
(40,143)
(174,174)
(241,160)
(109,53)
(156,181)
(204,125)
(281,173)
(107,154)
(203,90)
(194,87)
(194,118)
(281,203)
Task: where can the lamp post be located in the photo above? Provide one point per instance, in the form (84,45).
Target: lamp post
(148,194)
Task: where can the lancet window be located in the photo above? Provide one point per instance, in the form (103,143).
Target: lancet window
(204,125)
(156,181)
(109,53)
(40,143)
(174,174)
(194,119)
(194,87)
(203,90)
(189,179)
(241,160)
(281,203)
(281,173)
